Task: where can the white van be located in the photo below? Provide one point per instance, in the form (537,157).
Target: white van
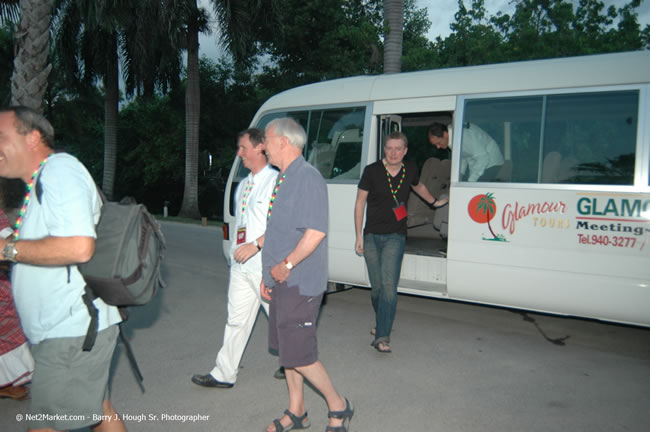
(564,225)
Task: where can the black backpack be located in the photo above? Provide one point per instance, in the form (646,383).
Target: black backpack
(125,268)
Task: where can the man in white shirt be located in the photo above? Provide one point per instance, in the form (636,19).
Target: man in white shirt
(52,235)
(479,152)
(252,204)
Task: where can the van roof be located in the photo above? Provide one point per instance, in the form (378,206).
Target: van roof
(584,71)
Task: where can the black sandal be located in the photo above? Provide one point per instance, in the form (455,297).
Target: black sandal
(436,203)
(301,422)
(345,415)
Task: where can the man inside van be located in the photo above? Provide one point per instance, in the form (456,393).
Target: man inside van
(52,235)
(480,154)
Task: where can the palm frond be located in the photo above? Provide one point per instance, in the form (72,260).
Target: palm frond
(9,11)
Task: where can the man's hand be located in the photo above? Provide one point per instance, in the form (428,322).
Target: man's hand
(358,246)
(265,291)
(245,252)
(280,272)
(54,251)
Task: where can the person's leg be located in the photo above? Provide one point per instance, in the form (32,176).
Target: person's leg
(243,306)
(371,254)
(390,262)
(113,422)
(316,374)
(295,384)
(68,381)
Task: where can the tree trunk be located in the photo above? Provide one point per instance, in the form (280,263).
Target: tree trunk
(111,101)
(190,206)
(31,44)
(393,30)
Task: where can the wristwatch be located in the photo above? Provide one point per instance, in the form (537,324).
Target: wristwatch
(288,264)
(257,245)
(9,252)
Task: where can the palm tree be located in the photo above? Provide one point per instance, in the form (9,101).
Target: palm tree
(190,205)
(92,36)
(393,35)
(233,19)
(87,46)
(31,40)
(487,206)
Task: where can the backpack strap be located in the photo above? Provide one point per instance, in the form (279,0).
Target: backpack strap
(131,356)
(38,187)
(91,334)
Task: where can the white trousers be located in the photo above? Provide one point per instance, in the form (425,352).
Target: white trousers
(244,302)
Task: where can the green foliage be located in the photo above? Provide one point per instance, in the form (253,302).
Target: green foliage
(321,39)
(540,29)
(229,99)
(473,39)
(6,65)
(79,126)
(151,152)
(418,51)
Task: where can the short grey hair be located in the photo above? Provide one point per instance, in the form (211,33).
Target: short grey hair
(291,129)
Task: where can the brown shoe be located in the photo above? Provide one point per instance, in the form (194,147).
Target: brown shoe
(15,392)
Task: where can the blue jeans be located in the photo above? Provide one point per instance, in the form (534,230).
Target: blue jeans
(383,254)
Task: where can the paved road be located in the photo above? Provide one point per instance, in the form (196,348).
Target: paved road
(454,367)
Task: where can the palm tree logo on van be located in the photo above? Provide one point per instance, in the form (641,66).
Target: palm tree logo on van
(482,209)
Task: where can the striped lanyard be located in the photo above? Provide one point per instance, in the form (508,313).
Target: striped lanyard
(393,192)
(247,192)
(274,194)
(23,210)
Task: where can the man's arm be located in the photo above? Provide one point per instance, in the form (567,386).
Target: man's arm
(424,193)
(359,208)
(54,251)
(305,247)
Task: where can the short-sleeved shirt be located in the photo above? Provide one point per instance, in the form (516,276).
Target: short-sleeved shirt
(48,298)
(300,204)
(380,218)
(252,204)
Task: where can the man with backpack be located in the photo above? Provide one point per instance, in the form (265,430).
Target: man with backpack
(251,205)
(54,234)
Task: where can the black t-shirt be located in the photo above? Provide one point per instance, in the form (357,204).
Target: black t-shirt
(380,218)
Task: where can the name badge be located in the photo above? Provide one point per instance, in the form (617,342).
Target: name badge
(241,235)
(400,212)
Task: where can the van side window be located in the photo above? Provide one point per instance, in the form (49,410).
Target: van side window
(334,141)
(579,138)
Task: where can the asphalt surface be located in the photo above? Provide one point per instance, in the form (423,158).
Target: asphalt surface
(454,368)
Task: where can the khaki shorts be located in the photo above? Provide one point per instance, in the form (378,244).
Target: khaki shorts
(292,326)
(69,385)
